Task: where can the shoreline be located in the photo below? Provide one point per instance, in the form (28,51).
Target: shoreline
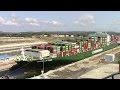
(11,45)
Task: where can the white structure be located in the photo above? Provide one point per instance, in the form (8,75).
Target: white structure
(37,53)
(22,52)
(108,39)
(109,57)
(72,36)
(66,35)
(45,35)
(61,35)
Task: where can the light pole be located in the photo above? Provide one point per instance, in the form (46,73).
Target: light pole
(43,67)
(42,71)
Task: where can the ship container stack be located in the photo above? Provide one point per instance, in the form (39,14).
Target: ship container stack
(114,39)
(78,48)
(39,46)
(85,45)
(81,46)
(58,51)
(64,48)
(89,44)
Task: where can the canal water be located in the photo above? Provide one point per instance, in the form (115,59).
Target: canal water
(9,54)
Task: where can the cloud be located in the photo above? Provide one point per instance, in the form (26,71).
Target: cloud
(56,23)
(44,21)
(51,22)
(85,20)
(2,20)
(10,22)
(32,21)
(34,24)
(7,22)
(76,22)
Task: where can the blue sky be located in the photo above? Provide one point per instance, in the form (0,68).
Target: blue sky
(16,21)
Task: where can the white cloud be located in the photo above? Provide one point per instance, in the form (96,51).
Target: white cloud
(34,24)
(46,22)
(51,22)
(7,22)
(76,21)
(10,22)
(55,23)
(32,21)
(85,20)
(2,20)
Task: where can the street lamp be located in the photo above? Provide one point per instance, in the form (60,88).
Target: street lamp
(42,71)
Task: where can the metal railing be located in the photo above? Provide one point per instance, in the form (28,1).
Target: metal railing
(112,75)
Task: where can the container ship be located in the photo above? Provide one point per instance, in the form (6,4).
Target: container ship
(70,50)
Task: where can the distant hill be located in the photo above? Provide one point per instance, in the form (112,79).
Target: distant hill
(1,32)
(30,34)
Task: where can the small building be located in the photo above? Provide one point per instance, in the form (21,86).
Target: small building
(66,35)
(45,35)
(61,35)
(71,35)
(54,35)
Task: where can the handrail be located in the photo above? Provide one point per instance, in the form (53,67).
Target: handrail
(112,75)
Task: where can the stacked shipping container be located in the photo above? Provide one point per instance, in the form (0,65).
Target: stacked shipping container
(63,49)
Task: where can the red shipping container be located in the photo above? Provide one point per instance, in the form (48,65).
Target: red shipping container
(59,54)
(48,45)
(94,46)
(40,46)
(70,52)
(85,45)
(76,50)
(64,54)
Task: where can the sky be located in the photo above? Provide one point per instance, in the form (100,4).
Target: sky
(23,21)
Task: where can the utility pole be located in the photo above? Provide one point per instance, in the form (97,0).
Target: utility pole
(119,66)
(43,67)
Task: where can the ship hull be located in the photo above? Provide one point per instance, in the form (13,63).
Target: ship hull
(77,57)
(81,56)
